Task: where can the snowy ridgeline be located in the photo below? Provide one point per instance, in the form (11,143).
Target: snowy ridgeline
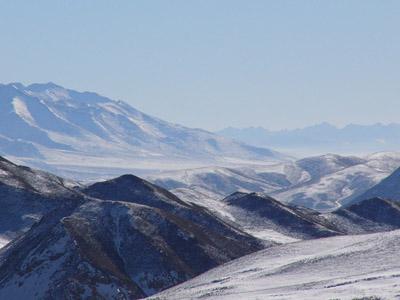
(345,267)
(82,133)
(323,182)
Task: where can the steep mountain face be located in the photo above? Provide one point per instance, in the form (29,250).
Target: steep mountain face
(345,267)
(110,250)
(322,138)
(265,217)
(26,195)
(261,214)
(63,127)
(133,240)
(388,188)
(370,215)
(323,182)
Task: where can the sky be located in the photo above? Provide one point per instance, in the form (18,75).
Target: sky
(213,64)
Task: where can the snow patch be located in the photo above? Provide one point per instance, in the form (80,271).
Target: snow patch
(22,110)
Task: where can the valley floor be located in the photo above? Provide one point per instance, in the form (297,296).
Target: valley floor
(345,267)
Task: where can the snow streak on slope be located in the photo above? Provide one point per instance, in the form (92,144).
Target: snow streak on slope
(330,268)
(22,111)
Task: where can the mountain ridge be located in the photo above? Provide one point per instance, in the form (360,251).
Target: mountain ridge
(50,126)
(89,241)
(322,182)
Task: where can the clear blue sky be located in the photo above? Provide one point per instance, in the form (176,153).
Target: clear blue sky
(211,64)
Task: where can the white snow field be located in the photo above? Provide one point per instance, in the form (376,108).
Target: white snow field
(343,267)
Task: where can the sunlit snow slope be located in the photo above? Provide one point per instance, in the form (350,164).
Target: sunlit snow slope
(331,268)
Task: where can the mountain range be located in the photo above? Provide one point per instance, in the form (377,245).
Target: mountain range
(119,239)
(323,182)
(322,138)
(70,133)
(126,238)
(212,217)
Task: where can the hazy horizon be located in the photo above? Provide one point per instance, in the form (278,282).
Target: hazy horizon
(321,123)
(280,64)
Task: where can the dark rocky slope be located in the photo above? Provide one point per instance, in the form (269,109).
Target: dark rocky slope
(133,240)
(388,188)
(26,195)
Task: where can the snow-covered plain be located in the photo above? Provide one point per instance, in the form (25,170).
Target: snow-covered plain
(343,267)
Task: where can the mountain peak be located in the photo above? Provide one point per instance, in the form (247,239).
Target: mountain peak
(51,119)
(38,87)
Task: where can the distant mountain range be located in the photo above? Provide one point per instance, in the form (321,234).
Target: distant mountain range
(62,130)
(322,138)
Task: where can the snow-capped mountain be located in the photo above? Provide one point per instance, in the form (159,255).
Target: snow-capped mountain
(342,179)
(49,126)
(345,267)
(133,240)
(322,138)
(322,182)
